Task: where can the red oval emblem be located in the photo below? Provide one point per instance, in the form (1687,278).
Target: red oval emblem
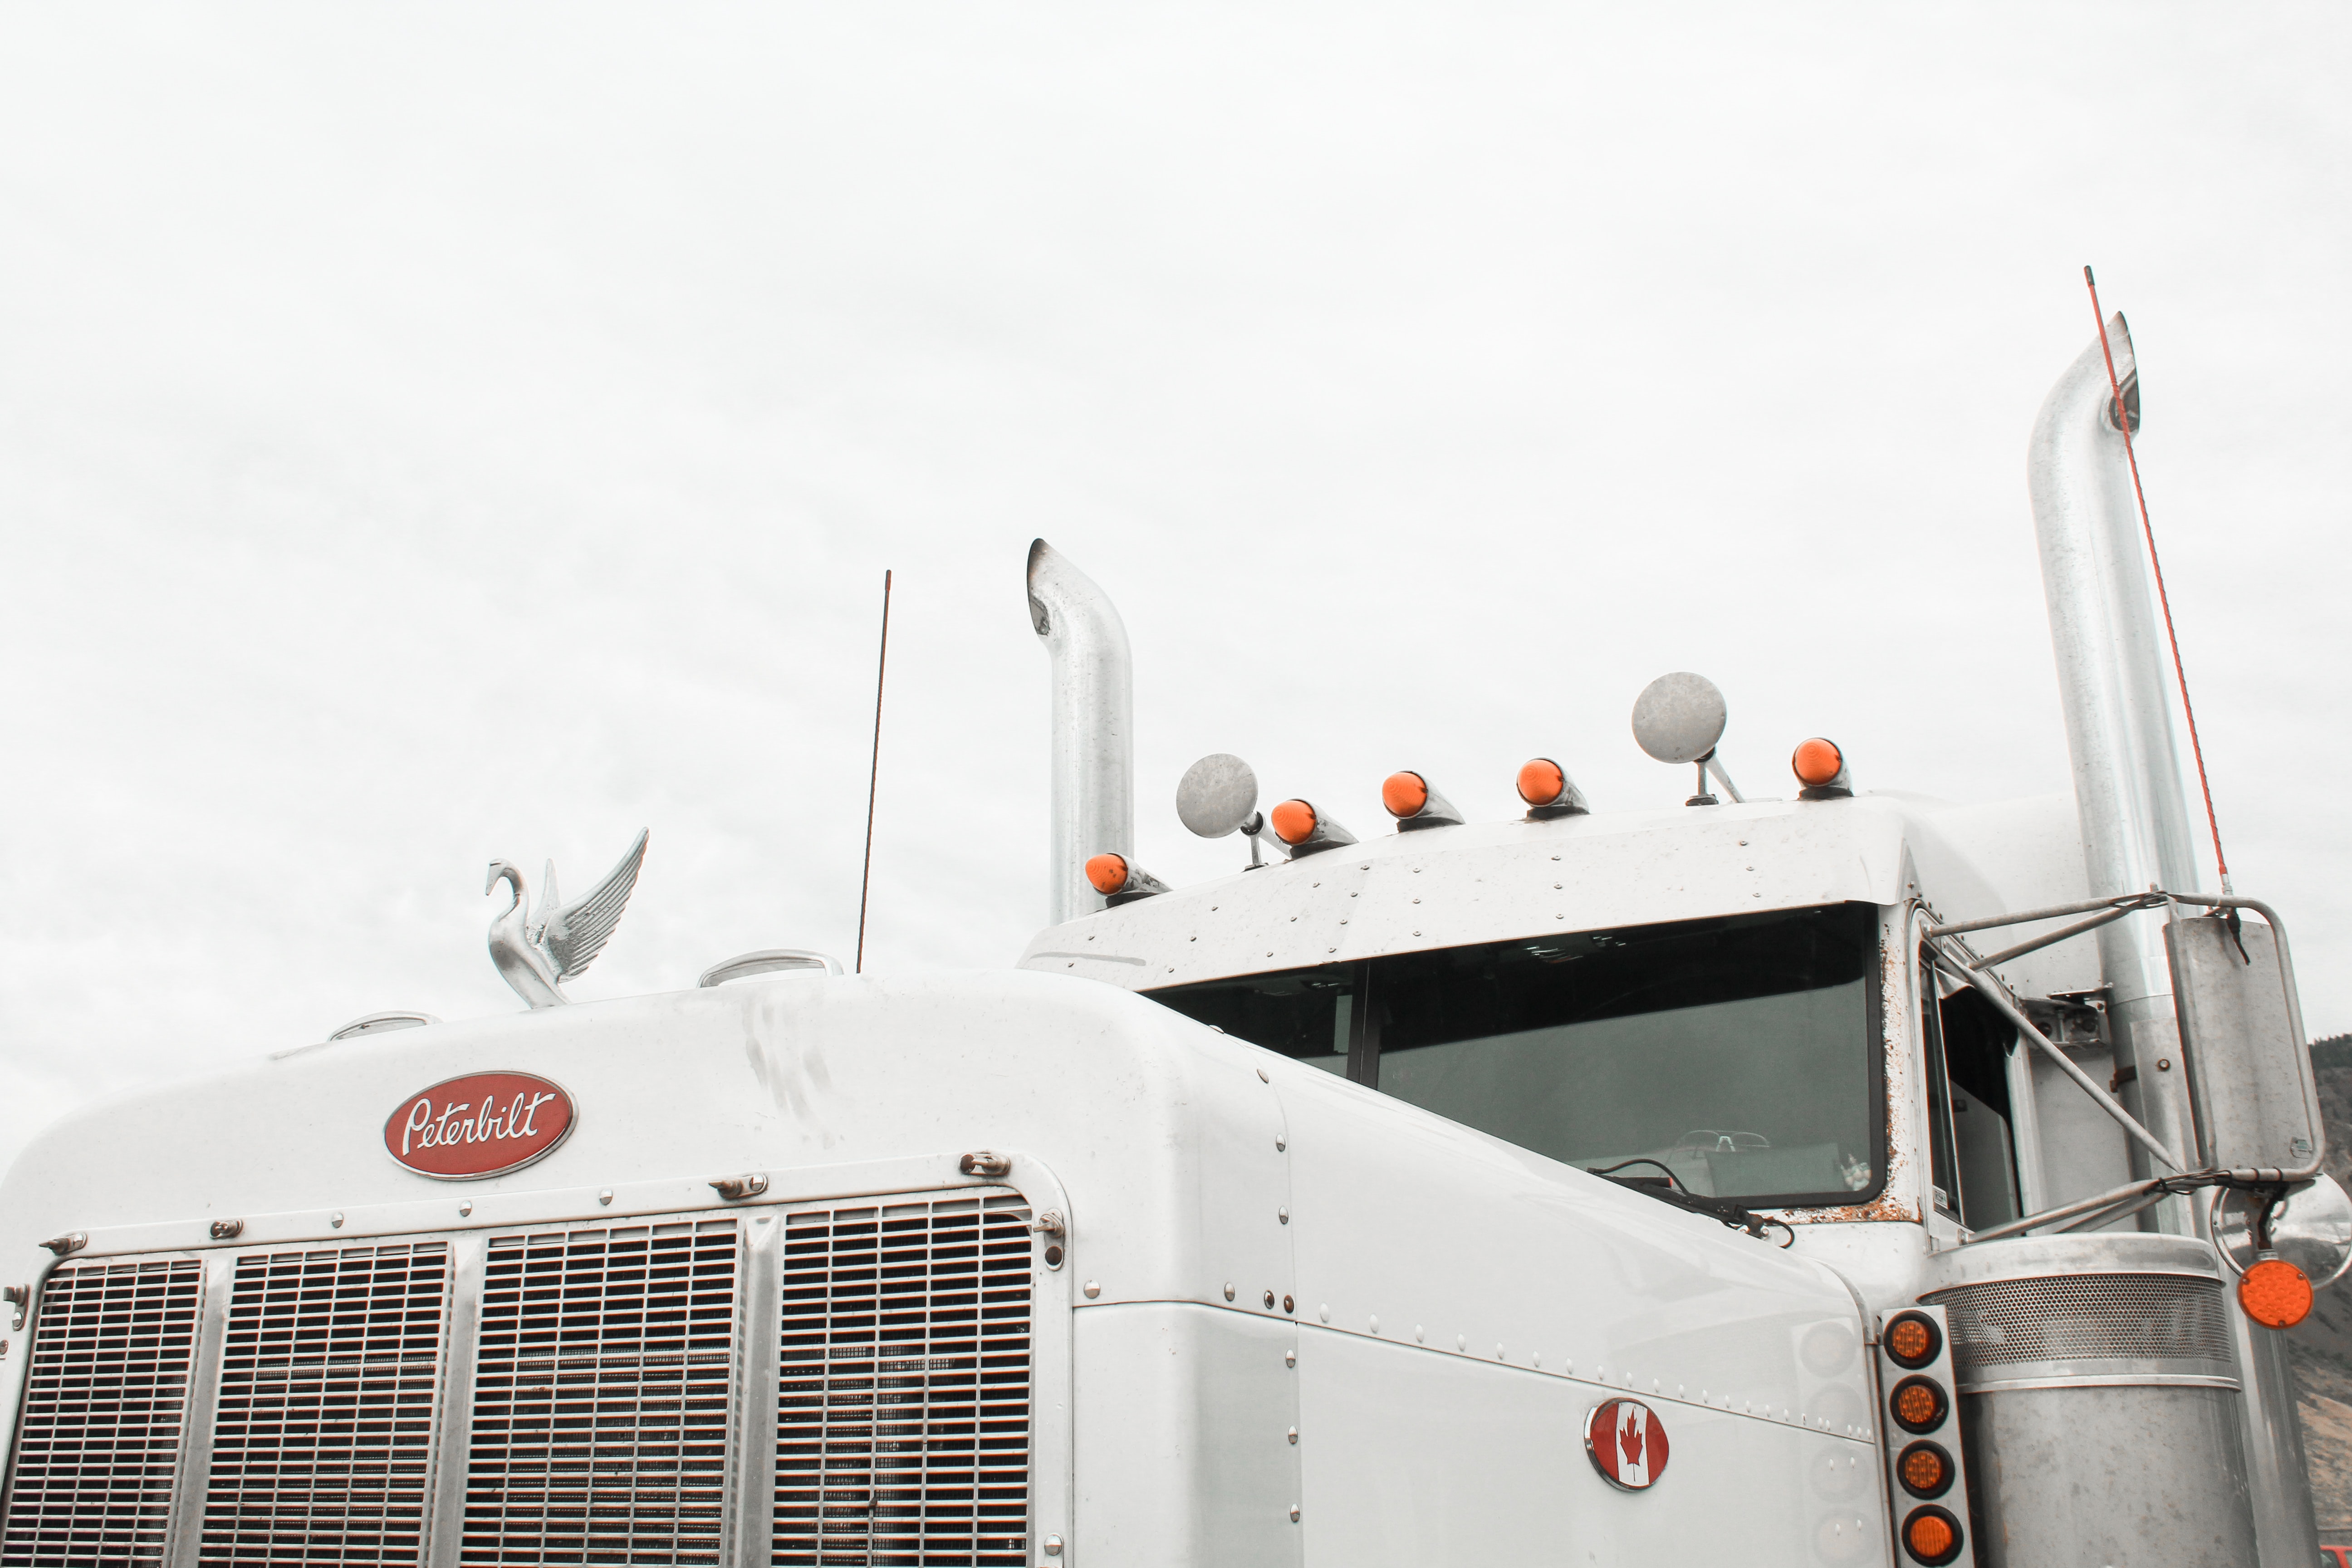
(483,1124)
(1627,1444)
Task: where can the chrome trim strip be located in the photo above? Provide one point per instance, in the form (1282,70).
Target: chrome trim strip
(184,1538)
(2084,1367)
(755,1467)
(444,1524)
(2118,1379)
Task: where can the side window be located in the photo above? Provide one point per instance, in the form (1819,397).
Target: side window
(1314,1014)
(1973,1152)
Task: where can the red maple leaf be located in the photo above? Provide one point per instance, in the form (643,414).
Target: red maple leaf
(1629,1436)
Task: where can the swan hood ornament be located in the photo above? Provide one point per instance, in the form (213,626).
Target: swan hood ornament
(537,953)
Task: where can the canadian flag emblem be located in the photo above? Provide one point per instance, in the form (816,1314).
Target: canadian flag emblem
(1627,1444)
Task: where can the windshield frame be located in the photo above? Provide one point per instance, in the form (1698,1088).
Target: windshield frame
(1363,978)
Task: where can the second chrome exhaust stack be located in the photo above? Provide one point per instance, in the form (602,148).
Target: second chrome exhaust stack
(2136,833)
(1093,794)
(2103,628)
(2111,685)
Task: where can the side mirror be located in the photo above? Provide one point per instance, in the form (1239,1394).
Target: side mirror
(2250,1079)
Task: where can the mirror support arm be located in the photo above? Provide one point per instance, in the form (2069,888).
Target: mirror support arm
(1993,991)
(2128,902)
(2062,932)
(2082,1211)
(1970,970)
(2130,1198)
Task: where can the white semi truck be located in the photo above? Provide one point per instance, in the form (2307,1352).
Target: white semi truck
(1843,1179)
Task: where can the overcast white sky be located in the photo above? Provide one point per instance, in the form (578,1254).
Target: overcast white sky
(432,435)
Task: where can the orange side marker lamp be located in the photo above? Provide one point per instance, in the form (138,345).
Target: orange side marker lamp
(1820,771)
(1931,1536)
(1913,1340)
(1306,830)
(1545,785)
(1924,1469)
(1120,881)
(1415,804)
(2274,1293)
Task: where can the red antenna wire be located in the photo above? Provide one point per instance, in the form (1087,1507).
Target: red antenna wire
(2123,423)
(874,776)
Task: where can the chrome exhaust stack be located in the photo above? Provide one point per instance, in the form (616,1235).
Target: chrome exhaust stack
(1093,794)
(2127,794)
(2136,835)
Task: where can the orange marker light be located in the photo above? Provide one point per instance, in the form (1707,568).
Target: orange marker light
(1817,762)
(1293,820)
(2275,1293)
(1912,1340)
(1918,1404)
(1541,780)
(1924,1469)
(1107,873)
(1932,1536)
(1403,793)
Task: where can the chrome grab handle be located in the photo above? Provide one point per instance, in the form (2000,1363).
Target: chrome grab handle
(378,1023)
(767,960)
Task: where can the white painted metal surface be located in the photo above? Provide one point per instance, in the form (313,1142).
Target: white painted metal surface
(1442,887)
(1183,1161)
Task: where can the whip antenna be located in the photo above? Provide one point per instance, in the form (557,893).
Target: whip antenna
(873,775)
(2124,424)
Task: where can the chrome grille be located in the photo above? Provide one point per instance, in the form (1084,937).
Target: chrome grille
(603,1395)
(2177,1323)
(98,1433)
(322,1431)
(903,1420)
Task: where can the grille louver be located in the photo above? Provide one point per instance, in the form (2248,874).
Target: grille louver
(322,1432)
(903,1419)
(98,1435)
(566,1395)
(603,1395)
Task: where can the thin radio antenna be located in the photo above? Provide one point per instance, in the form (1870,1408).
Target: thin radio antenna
(873,775)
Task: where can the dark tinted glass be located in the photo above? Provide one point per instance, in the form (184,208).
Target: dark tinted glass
(1741,1053)
(1302,1013)
(1975,1043)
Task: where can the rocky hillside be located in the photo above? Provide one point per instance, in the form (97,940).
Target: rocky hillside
(2321,1344)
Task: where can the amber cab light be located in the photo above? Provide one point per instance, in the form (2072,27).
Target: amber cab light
(1405,794)
(2275,1293)
(1918,1405)
(1932,1536)
(1913,1341)
(1925,1470)
(1293,820)
(1541,780)
(1817,762)
(1549,792)
(1106,872)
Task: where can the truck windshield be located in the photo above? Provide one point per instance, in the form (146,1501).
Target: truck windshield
(1739,1053)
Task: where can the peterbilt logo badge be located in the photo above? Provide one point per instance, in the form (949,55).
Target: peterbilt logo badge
(483,1124)
(1626,1443)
